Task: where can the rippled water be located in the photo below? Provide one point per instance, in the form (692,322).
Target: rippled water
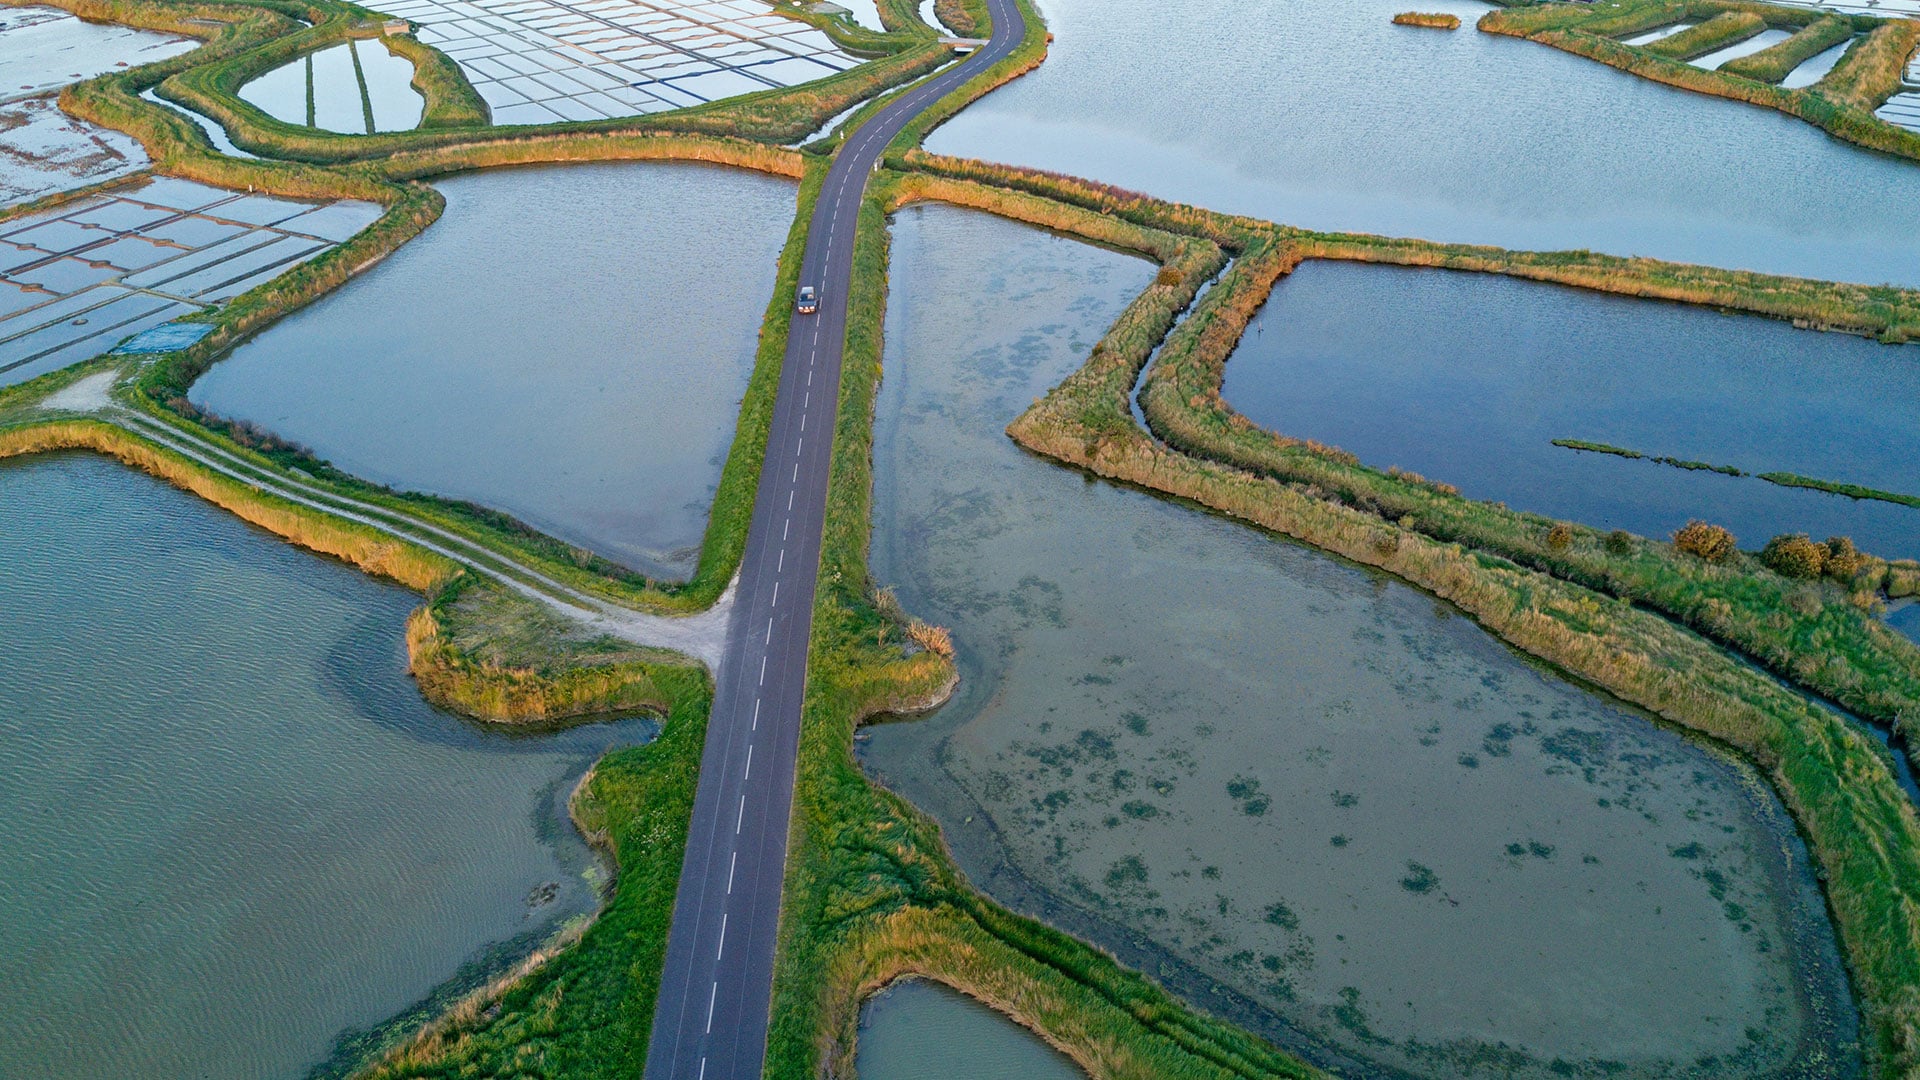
(923,1031)
(1305,796)
(230,830)
(1325,115)
(535,350)
(1469,378)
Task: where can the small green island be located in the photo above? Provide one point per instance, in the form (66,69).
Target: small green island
(1432,20)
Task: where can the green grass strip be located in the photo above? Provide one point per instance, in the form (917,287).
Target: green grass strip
(360,77)
(1851,491)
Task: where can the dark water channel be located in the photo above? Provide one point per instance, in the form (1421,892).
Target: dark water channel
(568,344)
(230,830)
(1305,796)
(1325,115)
(1468,378)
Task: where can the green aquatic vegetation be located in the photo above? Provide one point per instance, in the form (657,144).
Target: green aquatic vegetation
(1851,491)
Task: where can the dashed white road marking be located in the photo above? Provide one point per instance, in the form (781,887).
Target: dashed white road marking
(741,819)
(743,775)
(722,950)
(712,997)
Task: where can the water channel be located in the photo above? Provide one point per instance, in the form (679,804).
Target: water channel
(1305,796)
(531,351)
(1327,116)
(1468,378)
(231,832)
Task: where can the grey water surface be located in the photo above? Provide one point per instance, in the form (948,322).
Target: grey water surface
(1303,795)
(1327,116)
(1468,378)
(567,344)
(231,832)
(919,1030)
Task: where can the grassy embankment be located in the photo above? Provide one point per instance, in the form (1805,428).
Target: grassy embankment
(1430,20)
(1841,104)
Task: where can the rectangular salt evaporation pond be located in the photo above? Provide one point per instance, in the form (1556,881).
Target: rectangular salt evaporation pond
(569,345)
(1300,794)
(1324,115)
(923,1031)
(1815,67)
(1468,379)
(355,87)
(43,151)
(78,279)
(1655,35)
(43,48)
(546,61)
(230,829)
(1765,39)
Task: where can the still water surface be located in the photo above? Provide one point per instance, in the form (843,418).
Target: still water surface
(230,830)
(568,344)
(1304,795)
(1468,378)
(924,1031)
(1325,115)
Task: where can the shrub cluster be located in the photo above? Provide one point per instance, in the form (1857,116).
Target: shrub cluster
(1710,542)
(1794,556)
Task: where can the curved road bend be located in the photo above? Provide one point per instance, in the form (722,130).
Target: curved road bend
(711,1019)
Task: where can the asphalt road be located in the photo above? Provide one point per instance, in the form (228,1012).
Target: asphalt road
(711,1019)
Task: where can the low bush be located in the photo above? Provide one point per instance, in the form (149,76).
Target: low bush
(1794,556)
(1710,542)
